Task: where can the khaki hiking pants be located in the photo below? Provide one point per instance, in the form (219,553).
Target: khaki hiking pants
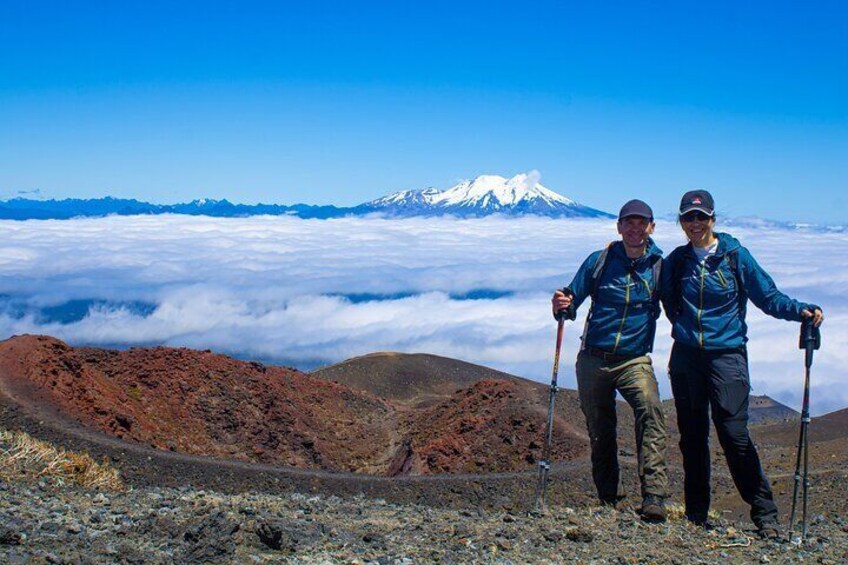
(597,383)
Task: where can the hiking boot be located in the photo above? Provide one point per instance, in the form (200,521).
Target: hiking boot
(697,519)
(702,523)
(769,531)
(611,501)
(653,508)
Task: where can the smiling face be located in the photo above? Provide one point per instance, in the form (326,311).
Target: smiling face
(698,227)
(635,231)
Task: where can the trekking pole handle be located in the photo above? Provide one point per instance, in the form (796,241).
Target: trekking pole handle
(569,313)
(809,340)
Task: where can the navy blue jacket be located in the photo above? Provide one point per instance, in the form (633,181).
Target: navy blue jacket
(704,304)
(624,312)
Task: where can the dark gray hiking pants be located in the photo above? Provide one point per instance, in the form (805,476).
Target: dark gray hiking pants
(716,382)
(597,382)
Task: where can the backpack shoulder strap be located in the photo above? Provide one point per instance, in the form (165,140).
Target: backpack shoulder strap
(733,262)
(595,283)
(599,268)
(656,271)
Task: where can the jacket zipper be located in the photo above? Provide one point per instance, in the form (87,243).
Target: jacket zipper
(624,315)
(701,309)
(648,287)
(721,278)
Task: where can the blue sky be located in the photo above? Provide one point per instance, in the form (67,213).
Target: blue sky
(342,102)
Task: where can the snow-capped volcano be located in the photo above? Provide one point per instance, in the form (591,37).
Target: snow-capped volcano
(487,194)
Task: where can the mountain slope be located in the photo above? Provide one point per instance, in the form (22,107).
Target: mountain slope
(200,403)
(487,194)
(417,379)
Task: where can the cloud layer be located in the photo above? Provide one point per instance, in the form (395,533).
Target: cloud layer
(311,292)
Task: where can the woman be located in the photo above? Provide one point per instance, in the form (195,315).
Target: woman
(706,286)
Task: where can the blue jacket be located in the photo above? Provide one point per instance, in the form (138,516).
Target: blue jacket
(624,312)
(704,304)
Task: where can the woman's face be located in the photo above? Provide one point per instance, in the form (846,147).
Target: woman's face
(698,228)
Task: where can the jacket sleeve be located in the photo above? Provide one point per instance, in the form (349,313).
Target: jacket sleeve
(762,291)
(581,284)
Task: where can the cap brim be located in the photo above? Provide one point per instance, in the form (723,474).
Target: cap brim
(636,215)
(709,213)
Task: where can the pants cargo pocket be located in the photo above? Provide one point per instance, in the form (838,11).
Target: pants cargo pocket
(731,387)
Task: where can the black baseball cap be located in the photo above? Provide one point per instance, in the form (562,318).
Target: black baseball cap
(636,208)
(699,200)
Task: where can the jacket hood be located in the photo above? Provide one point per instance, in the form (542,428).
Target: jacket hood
(726,243)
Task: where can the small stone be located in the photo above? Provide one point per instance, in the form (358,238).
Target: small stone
(579,535)
(553,536)
(10,536)
(504,544)
(460,530)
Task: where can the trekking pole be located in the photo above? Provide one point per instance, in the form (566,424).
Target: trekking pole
(810,340)
(545,462)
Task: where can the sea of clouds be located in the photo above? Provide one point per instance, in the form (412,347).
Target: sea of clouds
(313,292)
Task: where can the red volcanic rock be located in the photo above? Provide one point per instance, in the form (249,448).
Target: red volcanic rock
(489,427)
(202,403)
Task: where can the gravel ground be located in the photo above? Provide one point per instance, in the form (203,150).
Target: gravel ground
(47,523)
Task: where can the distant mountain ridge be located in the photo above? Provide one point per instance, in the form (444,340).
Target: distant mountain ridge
(485,195)
(27,209)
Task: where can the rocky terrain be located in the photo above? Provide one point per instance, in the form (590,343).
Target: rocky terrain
(195,489)
(42,523)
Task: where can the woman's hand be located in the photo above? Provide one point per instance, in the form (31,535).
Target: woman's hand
(816,315)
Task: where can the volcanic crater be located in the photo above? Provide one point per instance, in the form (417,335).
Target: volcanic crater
(382,414)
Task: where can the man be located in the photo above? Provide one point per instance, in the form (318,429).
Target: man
(622,282)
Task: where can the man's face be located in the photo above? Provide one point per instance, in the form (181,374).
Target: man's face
(635,230)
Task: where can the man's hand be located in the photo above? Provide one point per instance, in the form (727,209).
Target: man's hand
(560,302)
(816,315)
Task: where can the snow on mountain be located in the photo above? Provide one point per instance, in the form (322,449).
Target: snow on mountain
(487,194)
